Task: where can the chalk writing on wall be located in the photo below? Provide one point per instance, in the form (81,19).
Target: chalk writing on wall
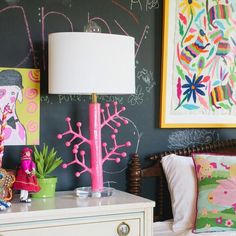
(45,15)
(149,4)
(31,50)
(147,77)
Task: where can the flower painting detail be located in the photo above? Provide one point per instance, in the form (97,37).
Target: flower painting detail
(206,56)
(203,69)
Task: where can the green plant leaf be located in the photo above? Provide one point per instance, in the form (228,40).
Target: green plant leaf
(49,159)
(36,154)
(55,164)
(46,161)
(40,170)
(45,151)
(41,161)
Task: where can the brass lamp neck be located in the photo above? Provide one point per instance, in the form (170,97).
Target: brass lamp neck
(94,98)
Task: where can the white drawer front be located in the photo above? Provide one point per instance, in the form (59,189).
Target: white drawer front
(101,228)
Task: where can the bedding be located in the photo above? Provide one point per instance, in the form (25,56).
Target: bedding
(211,178)
(182,185)
(164,228)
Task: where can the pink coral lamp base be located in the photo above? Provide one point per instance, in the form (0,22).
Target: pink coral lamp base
(95,147)
(97,189)
(97,120)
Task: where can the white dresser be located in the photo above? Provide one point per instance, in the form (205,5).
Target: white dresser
(121,214)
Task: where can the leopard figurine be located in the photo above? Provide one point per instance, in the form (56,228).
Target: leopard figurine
(6,182)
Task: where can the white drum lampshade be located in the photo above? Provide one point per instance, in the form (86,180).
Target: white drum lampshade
(86,63)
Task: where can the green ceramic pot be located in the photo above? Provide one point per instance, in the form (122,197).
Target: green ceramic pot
(48,188)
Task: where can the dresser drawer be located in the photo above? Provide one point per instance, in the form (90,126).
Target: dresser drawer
(107,225)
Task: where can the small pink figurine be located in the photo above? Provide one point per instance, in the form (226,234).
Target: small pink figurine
(26,180)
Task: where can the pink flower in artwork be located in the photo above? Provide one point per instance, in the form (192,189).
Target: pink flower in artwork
(179,90)
(214,211)
(219,220)
(229,223)
(204,212)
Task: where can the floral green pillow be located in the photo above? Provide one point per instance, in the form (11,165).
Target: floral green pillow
(216,201)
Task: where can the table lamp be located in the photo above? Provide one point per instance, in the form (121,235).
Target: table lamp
(93,64)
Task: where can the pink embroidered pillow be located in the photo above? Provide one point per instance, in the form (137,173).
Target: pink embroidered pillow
(216,201)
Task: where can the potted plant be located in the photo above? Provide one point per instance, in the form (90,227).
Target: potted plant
(46,161)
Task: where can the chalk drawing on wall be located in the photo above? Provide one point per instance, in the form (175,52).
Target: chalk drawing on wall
(124,8)
(26,32)
(44,15)
(111,98)
(148,4)
(12,2)
(191,138)
(144,87)
(137,5)
(147,77)
(138,44)
(152,4)
(134,2)
(135,143)
(138,97)
(20,92)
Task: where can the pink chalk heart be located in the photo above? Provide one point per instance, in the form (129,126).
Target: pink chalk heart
(2,93)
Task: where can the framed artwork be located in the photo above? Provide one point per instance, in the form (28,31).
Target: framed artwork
(199,64)
(19,106)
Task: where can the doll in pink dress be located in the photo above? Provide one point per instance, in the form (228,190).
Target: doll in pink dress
(26,180)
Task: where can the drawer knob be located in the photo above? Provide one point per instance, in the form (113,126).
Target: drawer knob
(123,229)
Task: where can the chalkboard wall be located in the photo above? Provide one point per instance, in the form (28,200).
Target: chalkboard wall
(24,29)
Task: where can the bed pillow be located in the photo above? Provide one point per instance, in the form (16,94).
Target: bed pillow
(216,201)
(181,179)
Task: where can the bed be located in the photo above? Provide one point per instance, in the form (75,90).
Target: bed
(142,171)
